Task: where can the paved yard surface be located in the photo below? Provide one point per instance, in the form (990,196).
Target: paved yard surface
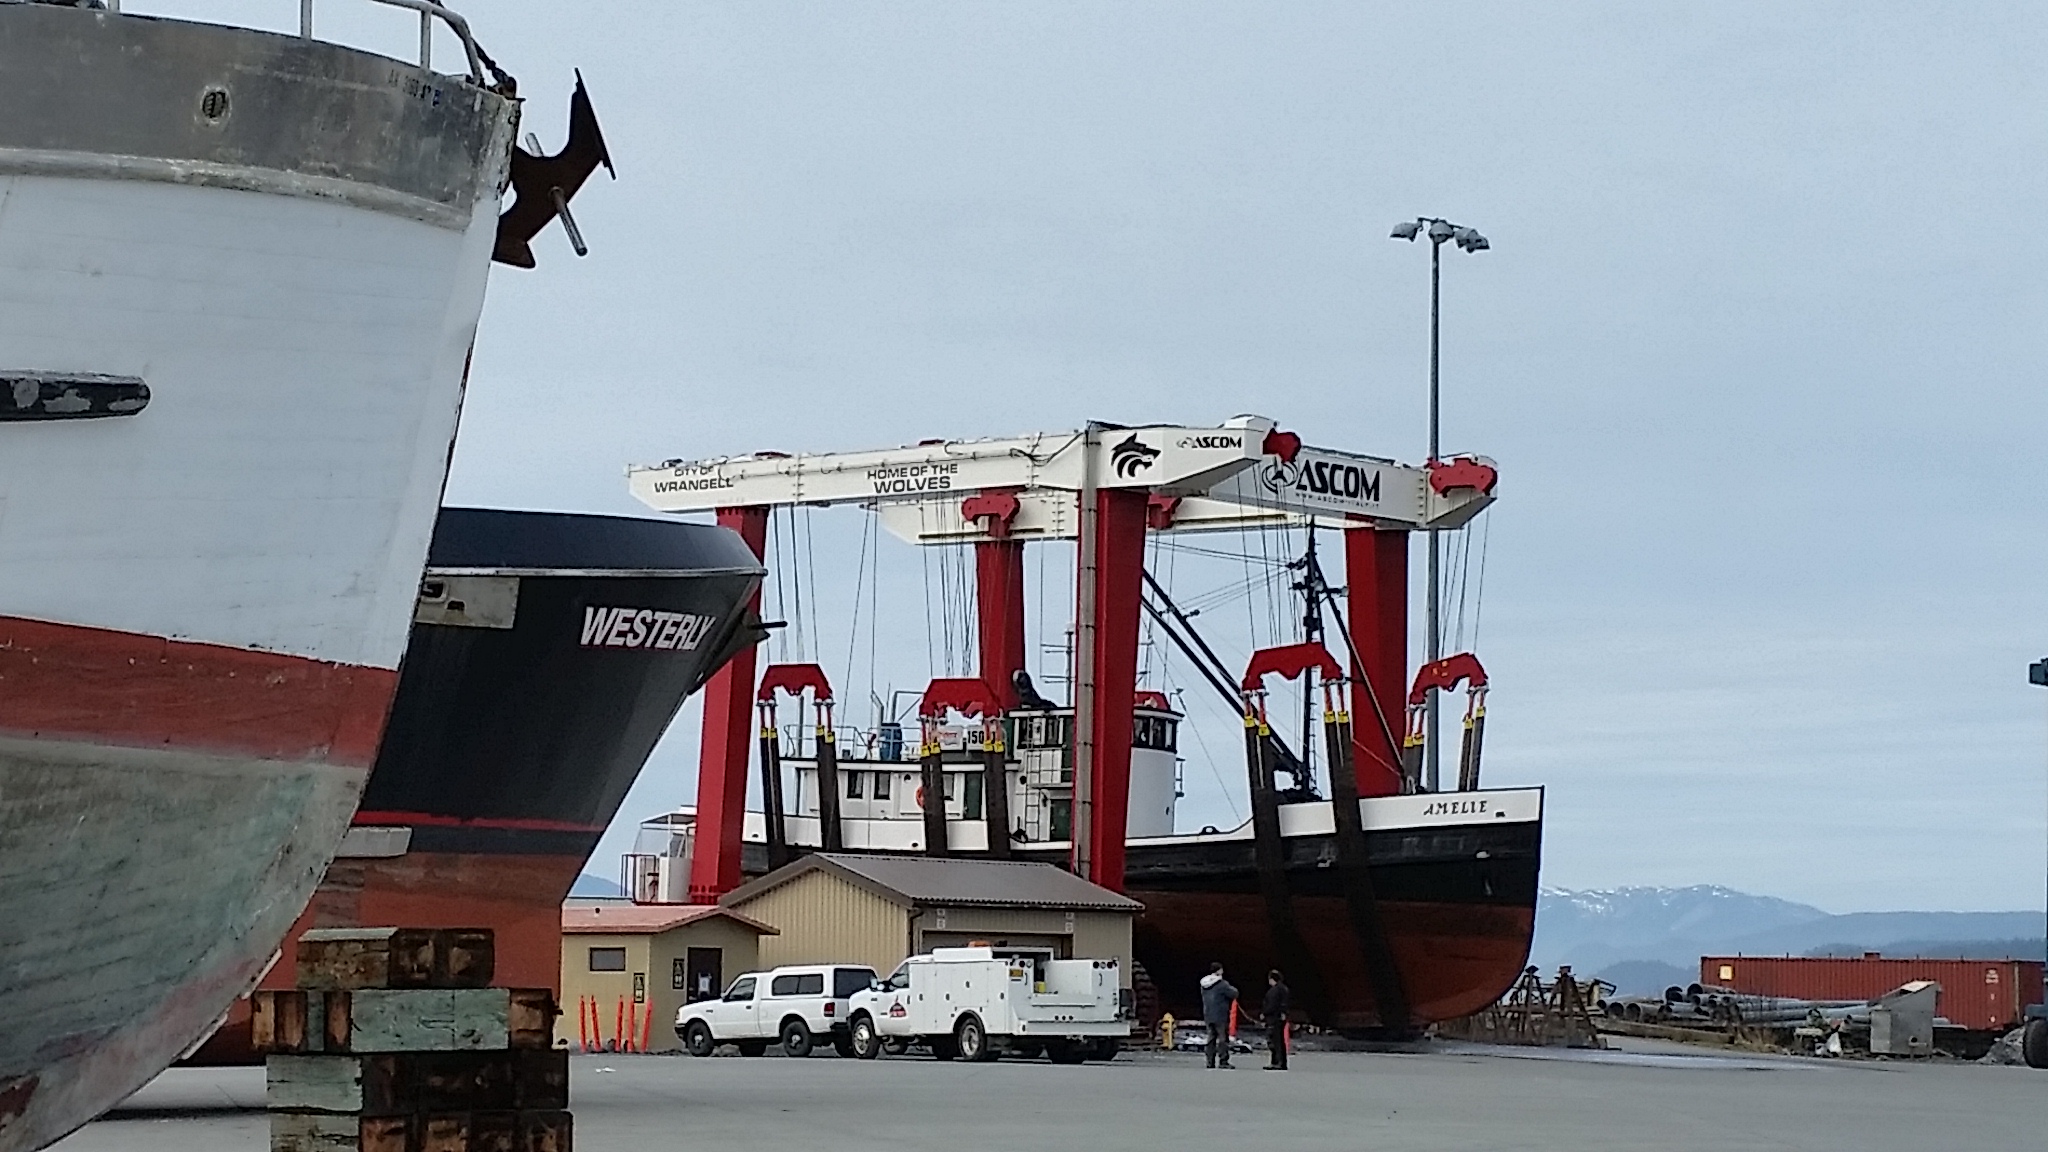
(1464,1099)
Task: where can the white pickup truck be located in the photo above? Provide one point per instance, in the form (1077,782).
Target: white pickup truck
(798,1006)
(971,1003)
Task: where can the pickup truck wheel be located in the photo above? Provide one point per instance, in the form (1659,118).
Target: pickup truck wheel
(796,1039)
(2034,1044)
(697,1039)
(753,1047)
(842,1043)
(895,1045)
(970,1040)
(861,1041)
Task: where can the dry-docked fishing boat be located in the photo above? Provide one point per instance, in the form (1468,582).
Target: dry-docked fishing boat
(549,652)
(240,278)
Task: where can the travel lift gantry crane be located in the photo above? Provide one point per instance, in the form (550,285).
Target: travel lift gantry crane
(1104,486)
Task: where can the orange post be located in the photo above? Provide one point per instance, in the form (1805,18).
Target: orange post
(619,1027)
(647,1028)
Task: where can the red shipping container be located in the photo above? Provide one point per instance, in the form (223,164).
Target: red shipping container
(1980,994)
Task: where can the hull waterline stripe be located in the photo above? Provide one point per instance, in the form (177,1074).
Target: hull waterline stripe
(507,823)
(76,683)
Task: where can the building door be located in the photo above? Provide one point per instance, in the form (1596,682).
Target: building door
(703,974)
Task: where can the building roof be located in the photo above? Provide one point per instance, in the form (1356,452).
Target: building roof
(918,881)
(619,918)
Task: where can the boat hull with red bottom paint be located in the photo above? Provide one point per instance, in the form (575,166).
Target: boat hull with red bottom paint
(524,713)
(233,343)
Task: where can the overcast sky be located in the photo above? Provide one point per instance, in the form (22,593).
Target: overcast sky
(1757,347)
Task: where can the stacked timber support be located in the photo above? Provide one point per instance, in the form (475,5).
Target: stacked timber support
(394,1041)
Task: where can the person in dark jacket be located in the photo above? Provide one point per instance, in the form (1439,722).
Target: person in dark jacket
(1275,1015)
(1218,995)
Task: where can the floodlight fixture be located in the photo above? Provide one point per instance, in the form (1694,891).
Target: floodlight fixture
(1442,230)
(1407,230)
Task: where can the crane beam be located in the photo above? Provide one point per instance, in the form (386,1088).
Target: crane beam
(1322,486)
(1168,458)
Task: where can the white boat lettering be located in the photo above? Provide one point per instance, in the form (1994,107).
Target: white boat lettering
(605,627)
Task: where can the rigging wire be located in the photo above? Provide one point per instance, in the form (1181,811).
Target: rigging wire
(874,604)
(1038,645)
(811,573)
(1196,550)
(1479,600)
(924,556)
(781,567)
(860,576)
(1454,589)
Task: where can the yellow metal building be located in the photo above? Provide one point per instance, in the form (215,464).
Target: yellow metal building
(876,910)
(627,968)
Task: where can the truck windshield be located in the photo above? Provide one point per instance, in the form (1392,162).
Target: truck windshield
(742,989)
(900,978)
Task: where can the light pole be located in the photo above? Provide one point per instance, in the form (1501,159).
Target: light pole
(2035,1042)
(1469,239)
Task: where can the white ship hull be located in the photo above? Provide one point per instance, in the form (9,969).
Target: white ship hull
(203,603)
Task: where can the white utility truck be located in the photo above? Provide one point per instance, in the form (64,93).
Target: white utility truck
(974,1004)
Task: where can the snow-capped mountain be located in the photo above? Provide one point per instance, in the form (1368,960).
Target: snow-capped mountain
(1593,930)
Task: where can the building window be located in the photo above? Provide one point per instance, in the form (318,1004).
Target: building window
(853,788)
(607,959)
(970,809)
(881,785)
(1153,732)
(1062,819)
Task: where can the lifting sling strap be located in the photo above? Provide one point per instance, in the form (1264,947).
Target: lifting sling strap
(830,836)
(1269,857)
(995,787)
(771,788)
(1354,866)
(931,792)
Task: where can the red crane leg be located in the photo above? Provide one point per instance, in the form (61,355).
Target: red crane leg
(1376,572)
(1119,567)
(722,759)
(999,600)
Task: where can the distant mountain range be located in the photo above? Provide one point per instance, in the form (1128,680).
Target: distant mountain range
(1644,939)
(590,887)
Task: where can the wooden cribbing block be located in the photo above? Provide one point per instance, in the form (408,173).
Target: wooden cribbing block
(544,1131)
(401,1020)
(346,959)
(409,1083)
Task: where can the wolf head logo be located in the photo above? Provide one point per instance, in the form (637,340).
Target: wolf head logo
(1131,457)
